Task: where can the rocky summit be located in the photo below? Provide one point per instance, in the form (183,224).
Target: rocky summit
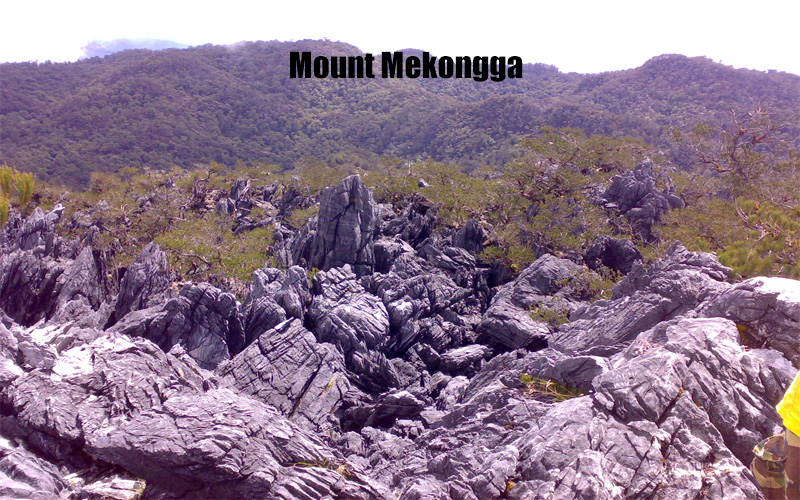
(383,361)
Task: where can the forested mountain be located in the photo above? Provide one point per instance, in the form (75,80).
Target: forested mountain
(237,104)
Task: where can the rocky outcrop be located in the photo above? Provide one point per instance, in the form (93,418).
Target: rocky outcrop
(144,283)
(159,416)
(614,253)
(347,225)
(232,447)
(414,224)
(767,311)
(671,287)
(344,314)
(37,233)
(35,287)
(289,370)
(202,319)
(635,196)
(28,286)
(393,371)
(546,285)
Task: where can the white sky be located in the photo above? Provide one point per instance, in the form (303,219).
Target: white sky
(586,36)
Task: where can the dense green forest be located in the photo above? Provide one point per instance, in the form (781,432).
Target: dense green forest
(236,105)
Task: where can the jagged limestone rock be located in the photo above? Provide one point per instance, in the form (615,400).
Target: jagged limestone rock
(288,369)
(346,228)
(202,318)
(545,284)
(145,282)
(767,310)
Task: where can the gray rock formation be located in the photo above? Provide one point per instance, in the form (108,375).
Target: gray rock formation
(160,417)
(287,369)
(347,225)
(613,253)
(470,237)
(547,284)
(144,283)
(415,223)
(344,314)
(202,319)
(767,310)
(635,196)
(672,287)
(38,232)
(396,374)
(28,285)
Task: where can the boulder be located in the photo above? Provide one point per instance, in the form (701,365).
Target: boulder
(547,284)
(80,288)
(614,253)
(24,475)
(635,196)
(671,287)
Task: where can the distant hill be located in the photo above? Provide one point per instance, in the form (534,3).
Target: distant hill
(234,104)
(101,48)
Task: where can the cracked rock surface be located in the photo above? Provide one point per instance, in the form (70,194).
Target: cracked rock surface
(402,368)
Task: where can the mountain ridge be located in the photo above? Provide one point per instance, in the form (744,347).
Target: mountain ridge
(237,104)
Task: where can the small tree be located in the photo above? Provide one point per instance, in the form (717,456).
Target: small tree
(747,206)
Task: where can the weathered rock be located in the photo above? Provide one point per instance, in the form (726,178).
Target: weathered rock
(545,284)
(346,229)
(391,407)
(448,258)
(294,295)
(636,197)
(38,232)
(613,253)
(416,222)
(286,368)
(90,384)
(262,315)
(414,290)
(470,237)
(27,286)
(80,288)
(202,319)
(266,282)
(24,475)
(387,250)
(677,260)
(670,287)
(144,283)
(768,310)
(647,395)
(667,420)
(346,315)
(221,445)
(465,358)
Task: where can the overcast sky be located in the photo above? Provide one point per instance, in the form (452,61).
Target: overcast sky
(586,36)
